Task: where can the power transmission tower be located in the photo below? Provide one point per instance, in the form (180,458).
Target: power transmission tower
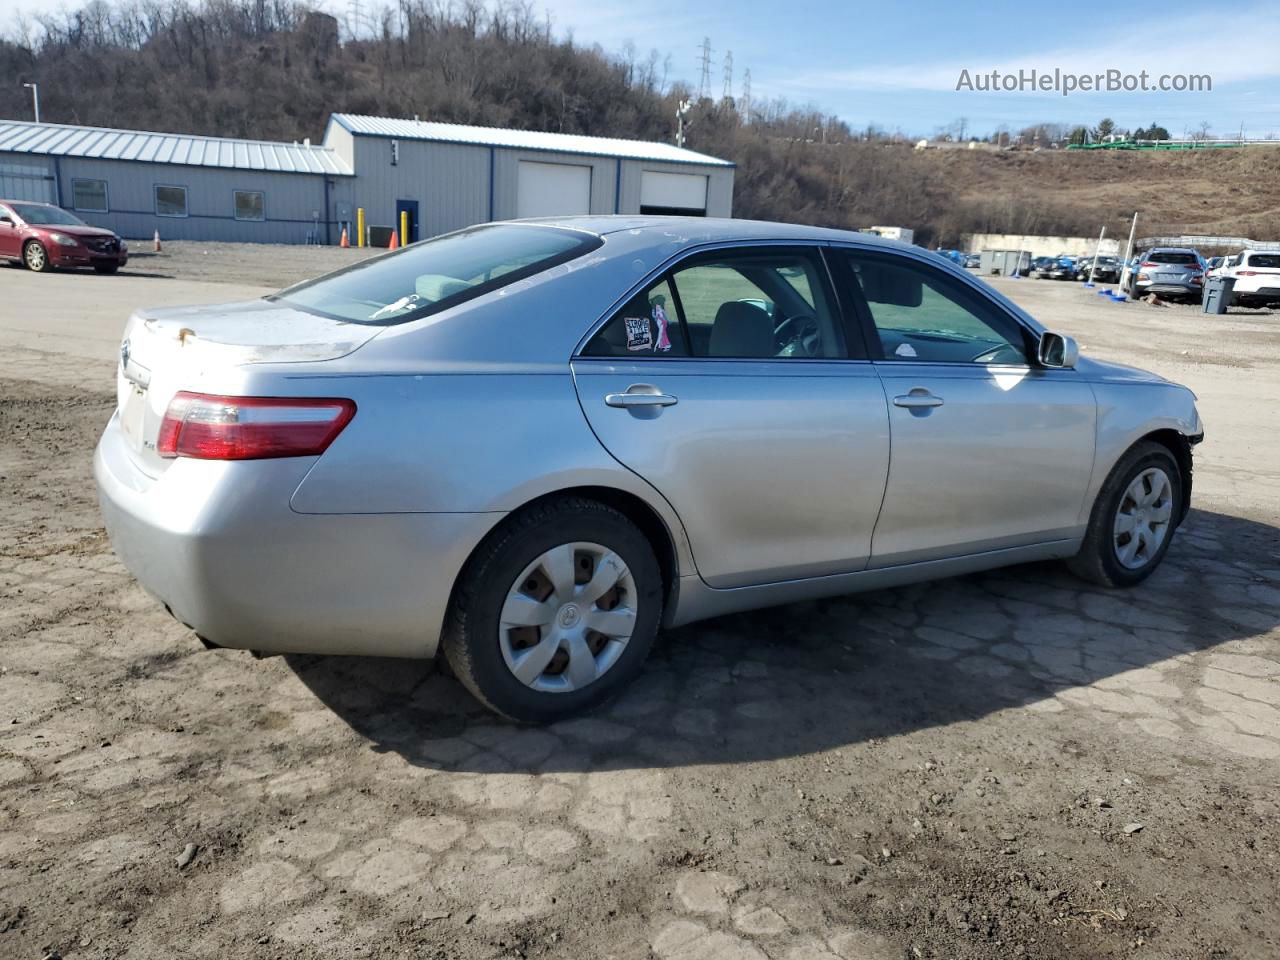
(745,107)
(704,59)
(728,75)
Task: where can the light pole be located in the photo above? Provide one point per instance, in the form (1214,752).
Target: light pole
(35,97)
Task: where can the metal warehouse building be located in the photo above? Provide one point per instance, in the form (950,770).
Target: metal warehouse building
(190,188)
(448,176)
(444,176)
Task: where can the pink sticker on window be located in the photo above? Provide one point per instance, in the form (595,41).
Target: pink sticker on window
(660,318)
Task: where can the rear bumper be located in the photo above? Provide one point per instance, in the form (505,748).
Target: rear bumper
(1173,289)
(217,543)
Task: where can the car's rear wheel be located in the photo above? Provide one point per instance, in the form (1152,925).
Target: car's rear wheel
(1133,519)
(105,267)
(35,256)
(556,612)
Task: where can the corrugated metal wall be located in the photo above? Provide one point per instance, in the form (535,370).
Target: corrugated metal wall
(24,177)
(292,201)
(453,186)
(450,183)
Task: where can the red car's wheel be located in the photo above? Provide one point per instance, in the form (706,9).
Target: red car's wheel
(35,256)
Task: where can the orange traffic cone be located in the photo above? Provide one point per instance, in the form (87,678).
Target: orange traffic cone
(344,242)
(395,240)
(156,241)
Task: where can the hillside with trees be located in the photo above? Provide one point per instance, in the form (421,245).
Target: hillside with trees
(275,69)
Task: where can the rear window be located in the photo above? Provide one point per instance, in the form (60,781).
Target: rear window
(424,278)
(1167,257)
(1258,260)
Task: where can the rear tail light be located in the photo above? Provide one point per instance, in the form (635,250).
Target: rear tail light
(1248,273)
(250,428)
(1148,263)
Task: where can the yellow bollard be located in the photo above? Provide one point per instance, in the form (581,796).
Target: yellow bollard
(404,227)
(359,226)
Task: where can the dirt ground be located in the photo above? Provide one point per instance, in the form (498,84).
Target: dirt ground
(1006,765)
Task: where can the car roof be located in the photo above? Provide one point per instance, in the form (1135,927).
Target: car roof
(711,229)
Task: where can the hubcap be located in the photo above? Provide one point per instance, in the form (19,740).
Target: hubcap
(567,618)
(35,256)
(1143,518)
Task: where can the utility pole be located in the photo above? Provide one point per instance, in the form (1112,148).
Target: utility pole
(728,76)
(35,97)
(746,96)
(704,59)
(681,111)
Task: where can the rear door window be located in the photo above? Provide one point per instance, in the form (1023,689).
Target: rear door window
(758,303)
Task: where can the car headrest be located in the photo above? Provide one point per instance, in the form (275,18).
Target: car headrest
(434,287)
(742,330)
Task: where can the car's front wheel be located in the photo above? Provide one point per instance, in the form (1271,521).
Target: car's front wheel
(35,256)
(1133,519)
(556,612)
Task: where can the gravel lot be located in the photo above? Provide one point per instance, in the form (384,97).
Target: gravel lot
(1004,765)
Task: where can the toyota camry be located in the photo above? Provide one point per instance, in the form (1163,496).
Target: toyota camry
(530,446)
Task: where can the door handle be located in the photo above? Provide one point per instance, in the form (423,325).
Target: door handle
(640,395)
(917,401)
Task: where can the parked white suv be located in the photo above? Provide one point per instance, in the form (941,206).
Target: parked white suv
(1257,277)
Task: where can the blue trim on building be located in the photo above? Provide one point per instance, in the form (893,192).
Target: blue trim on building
(493,160)
(328,238)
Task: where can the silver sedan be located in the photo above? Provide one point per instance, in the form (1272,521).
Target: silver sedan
(532,445)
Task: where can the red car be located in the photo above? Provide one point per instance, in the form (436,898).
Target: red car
(42,236)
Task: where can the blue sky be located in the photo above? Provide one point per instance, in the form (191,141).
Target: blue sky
(896,65)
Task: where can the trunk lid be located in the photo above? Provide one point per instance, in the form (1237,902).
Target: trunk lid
(188,348)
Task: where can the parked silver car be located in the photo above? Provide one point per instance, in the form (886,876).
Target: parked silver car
(1169,272)
(531,445)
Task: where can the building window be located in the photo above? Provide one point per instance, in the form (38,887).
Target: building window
(89,195)
(171,201)
(250,205)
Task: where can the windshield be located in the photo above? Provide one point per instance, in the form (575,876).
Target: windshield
(40,215)
(425,278)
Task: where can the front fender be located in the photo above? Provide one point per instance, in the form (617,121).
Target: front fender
(1131,410)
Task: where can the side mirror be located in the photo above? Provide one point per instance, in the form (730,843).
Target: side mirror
(1057,352)
(5,218)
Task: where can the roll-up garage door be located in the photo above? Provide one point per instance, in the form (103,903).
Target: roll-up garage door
(679,193)
(552,189)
